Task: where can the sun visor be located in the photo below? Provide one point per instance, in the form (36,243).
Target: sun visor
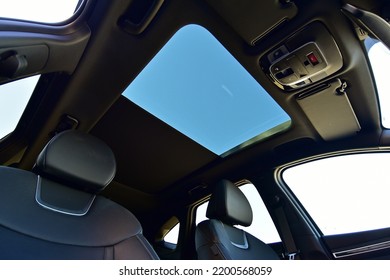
(261,16)
(330,111)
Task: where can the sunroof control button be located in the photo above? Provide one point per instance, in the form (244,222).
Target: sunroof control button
(312,58)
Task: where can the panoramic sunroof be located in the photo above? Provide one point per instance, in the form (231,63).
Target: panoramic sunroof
(196,86)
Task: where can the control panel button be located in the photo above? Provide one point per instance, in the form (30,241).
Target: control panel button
(312,58)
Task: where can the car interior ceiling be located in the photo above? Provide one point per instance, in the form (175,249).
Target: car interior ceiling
(160,172)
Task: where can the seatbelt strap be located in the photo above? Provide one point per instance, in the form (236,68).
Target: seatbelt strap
(292,252)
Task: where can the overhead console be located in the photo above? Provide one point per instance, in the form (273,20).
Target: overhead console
(305,58)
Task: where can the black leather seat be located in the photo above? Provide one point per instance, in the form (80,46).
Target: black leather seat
(217,238)
(56,212)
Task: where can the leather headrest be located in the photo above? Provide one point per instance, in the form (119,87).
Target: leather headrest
(229,205)
(77,160)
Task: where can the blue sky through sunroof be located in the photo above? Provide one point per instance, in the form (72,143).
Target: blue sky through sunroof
(196,86)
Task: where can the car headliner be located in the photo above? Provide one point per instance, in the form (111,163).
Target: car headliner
(92,60)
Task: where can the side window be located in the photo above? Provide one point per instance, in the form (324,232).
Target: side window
(173,235)
(344,194)
(14,97)
(170,231)
(262,226)
(379,56)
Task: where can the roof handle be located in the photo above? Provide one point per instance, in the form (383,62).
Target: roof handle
(12,64)
(370,22)
(139,15)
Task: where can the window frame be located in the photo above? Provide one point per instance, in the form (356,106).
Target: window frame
(64,28)
(78,11)
(169,231)
(17,84)
(294,200)
(383,109)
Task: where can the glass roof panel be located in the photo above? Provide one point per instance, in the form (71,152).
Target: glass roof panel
(196,86)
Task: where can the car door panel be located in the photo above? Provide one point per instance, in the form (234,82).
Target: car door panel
(374,244)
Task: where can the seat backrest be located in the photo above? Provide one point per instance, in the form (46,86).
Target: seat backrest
(55,212)
(217,238)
